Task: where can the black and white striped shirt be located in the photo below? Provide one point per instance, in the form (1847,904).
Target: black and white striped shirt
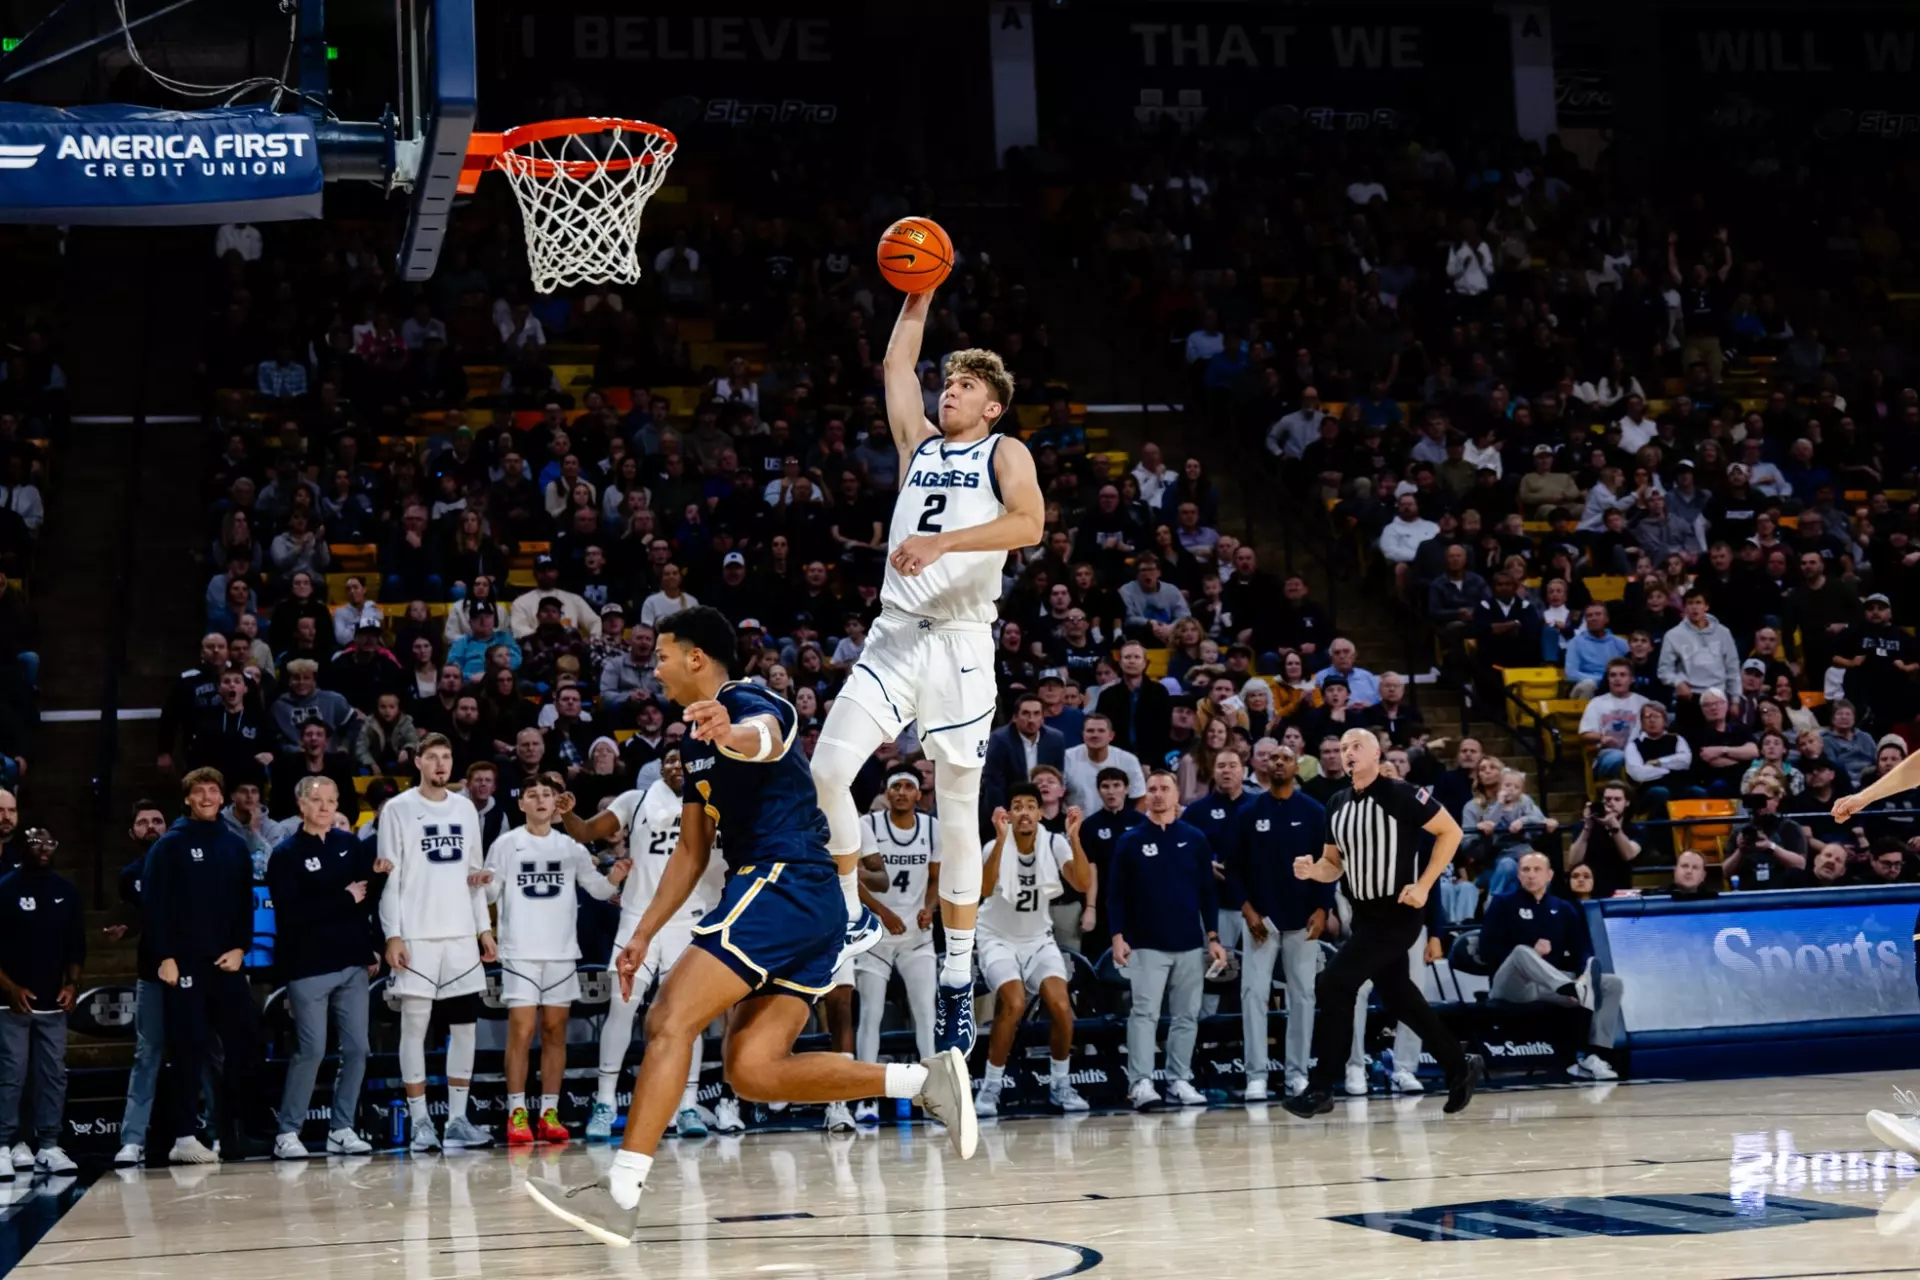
(1378,834)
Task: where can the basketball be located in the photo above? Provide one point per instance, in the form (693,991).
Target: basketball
(915,255)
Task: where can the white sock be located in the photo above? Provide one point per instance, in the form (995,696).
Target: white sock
(549,1102)
(1059,1068)
(516,1102)
(957,970)
(850,890)
(628,1173)
(457,1102)
(609,1085)
(996,1076)
(690,1096)
(905,1079)
(417,1111)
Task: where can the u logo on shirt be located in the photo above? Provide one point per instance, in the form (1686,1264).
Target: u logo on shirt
(1150,850)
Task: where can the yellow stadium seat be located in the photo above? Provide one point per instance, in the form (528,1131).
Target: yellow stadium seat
(1811,698)
(1703,837)
(354,557)
(1607,589)
(1157,660)
(520,578)
(1534,684)
(621,735)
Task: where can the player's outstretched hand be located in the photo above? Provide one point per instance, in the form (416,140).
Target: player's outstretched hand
(628,963)
(709,719)
(914,554)
(1845,807)
(1000,819)
(1074,819)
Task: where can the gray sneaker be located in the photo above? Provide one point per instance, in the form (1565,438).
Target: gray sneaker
(425,1139)
(948,1097)
(590,1207)
(462,1133)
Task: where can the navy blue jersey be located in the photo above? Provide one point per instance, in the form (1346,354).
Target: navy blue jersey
(764,811)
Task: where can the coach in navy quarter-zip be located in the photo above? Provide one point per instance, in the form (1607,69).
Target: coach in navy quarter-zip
(1164,906)
(1283,916)
(1217,814)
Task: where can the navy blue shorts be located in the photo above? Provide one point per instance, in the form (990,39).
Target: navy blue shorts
(780,926)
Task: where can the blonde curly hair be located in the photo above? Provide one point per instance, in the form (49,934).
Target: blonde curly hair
(986,366)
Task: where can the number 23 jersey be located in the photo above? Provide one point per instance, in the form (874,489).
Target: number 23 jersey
(651,821)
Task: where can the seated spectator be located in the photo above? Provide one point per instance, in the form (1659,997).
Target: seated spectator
(1152,606)
(1590,651)
(358,609)
(1773,762)
(1660,762)
(410,562)
(1722,750)
(1362,685)
(314,758)
(469,652)
(1497,833)
(303,702)
(1851,750)
(1766,849)
(552,650)
(1608,723)
(365,670)
(1825,869)
(1507,626)
(1402,537)
(1607,843)
(388,739)
(1394,714)
(1540,951)
(1888,865)
(1699,654)
(1689,878)
(523,617)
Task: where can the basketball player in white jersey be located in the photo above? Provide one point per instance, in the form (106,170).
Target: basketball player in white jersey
(531,873)
(967,497)
(902,844)
(433,914)
(650,820)
(1018,956)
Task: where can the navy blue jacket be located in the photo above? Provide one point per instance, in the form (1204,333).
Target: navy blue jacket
(321,928)
(1216,817)
(1517,920)
(1161,894)
(42,932)
(196,896)
(1269,835)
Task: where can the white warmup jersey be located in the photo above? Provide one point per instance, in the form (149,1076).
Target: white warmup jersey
(433,847)
(533,881)
(908,854)
(1024,917)
(947,487)
(650,820)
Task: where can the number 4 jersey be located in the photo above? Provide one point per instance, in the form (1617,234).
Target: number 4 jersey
(650,820)
(533,882)
(909,853)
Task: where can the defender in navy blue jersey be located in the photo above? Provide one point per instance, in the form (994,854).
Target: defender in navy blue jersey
(764,954)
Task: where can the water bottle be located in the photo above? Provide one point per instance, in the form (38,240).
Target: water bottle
(397,1121)
(903,1109)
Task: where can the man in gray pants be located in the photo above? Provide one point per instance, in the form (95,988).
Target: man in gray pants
(42,944)
(1164,909)
(319,878)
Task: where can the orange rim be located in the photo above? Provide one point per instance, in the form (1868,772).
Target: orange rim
(486,151)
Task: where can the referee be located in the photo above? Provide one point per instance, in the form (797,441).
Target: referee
(1373,830)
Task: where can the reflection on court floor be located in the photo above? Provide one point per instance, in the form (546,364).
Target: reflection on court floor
(1746,1179)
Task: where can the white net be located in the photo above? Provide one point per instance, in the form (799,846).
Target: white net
(581,196)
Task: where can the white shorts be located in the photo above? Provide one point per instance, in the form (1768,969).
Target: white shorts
(439,969)
(671,943)
(1031,961)
(525,983)
(907,953)
(938,674)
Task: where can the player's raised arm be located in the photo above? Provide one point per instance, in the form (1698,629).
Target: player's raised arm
(598,829)
(906,411)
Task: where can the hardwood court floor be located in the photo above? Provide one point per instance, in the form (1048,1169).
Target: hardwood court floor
(1744,1179)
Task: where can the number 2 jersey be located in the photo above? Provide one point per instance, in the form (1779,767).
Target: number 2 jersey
(764,811)
(650,820)
(947,487)
(533,882)
(1024,917)
(908,854)
(433,846)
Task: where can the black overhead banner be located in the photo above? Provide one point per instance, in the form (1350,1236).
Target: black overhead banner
(1825,75)
(1350,69)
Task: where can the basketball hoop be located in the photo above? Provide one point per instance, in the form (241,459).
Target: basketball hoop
(582,186)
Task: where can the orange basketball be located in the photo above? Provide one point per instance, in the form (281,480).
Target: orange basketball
(915,255)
